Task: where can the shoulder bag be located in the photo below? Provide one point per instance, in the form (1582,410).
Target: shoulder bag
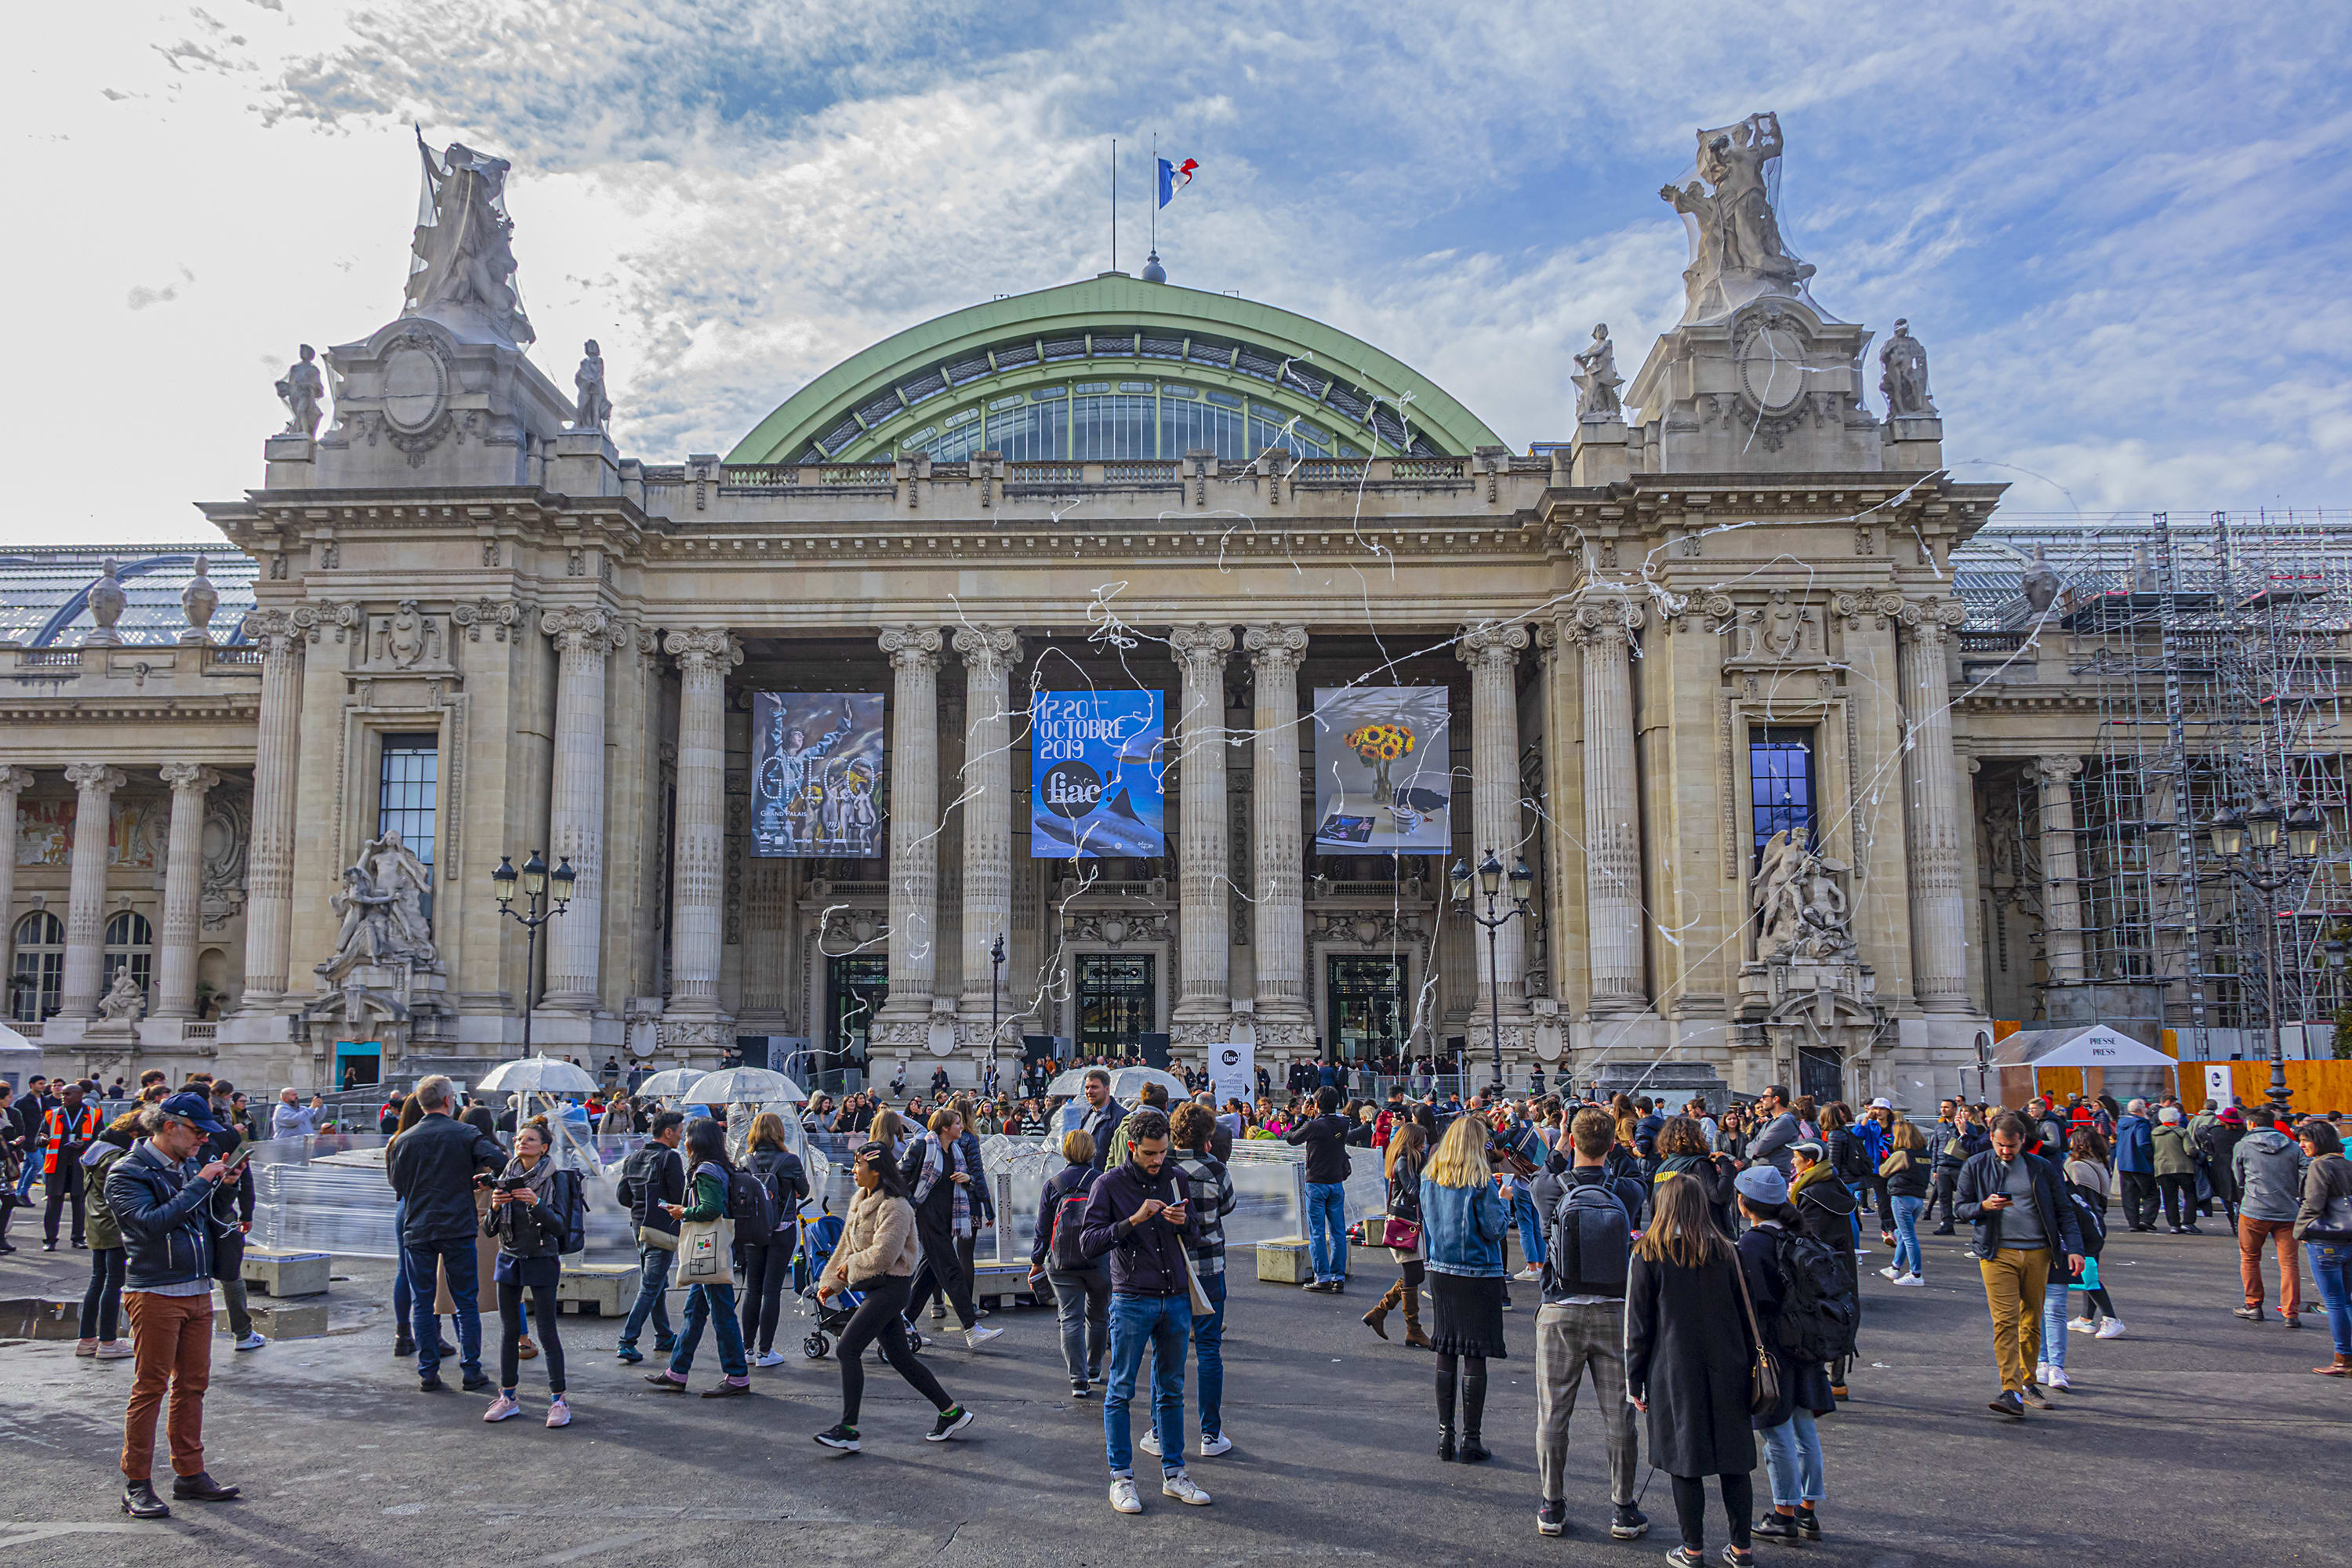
(705,1248)
(1764,1376)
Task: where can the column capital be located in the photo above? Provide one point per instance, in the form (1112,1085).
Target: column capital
(2057,770)
(95,778)
(189,777)
(988,652)
(1603,620)
(1927,622)
(912,648)
(1201,651)
(274,632)
(1494,644)
(15,780)
(703,650)
(1276,646)
(583,629)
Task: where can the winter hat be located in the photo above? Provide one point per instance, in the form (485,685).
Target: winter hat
(1762,1185)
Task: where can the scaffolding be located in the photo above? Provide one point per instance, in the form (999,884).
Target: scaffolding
(2215,658)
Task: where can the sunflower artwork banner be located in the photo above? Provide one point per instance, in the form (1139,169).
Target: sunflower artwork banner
(1383,777)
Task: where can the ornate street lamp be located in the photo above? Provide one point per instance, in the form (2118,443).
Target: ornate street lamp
(537,884)
(1490,883)
(2248,849)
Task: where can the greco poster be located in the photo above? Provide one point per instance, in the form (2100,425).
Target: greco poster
(1096,772)
(1383,782)
(817,773)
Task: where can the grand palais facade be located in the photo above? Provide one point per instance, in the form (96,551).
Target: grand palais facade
(1110,661)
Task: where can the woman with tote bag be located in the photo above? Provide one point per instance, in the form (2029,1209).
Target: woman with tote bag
(705,1266)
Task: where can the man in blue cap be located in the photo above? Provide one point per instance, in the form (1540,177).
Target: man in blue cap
(162,1198)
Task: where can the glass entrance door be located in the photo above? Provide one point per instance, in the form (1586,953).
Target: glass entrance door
(1119,1003)
(856,988)
(1366,1005)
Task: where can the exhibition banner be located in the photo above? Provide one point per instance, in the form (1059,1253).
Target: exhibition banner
(816,770)
(1383,782)
(1095,767)
(1233,1073)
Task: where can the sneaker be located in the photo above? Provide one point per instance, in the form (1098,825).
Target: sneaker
(1733,1557)
(1150,1444)
(86,1347)
(1122,1495)
(1180,1487)
(1911,1280)
(2111,1329)
(976,1336)
(113,1350)
(839,1436)
(1528,1276)
(559,1412)
(1687,1557)
(663,1344)
(1627,1522)
(1891,1272)
(1081,1389)
(952,1420)
(2007,1402)
(629,1355)
(1215,1442)
(2036,1398)
(769,1358)
(2057,1378)
(2081,1325)
(503,1408)
(1551,1517)
(253,1341)
(2040,1372)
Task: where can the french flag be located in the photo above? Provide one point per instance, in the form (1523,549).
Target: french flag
(1175,177)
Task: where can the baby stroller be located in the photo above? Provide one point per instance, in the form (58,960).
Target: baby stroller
(818,1238)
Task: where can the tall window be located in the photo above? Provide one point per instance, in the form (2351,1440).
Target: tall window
(1781,785)
(1035,432)
(129,939)
(1107,429)
(1188,425)
(407,792)
(40,974)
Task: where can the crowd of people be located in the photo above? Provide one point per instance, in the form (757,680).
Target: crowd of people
(1701,1268)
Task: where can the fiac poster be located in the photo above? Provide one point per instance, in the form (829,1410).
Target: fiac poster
(1096,766)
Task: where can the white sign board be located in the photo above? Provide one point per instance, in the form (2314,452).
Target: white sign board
(2217,1082)
(1232,1072)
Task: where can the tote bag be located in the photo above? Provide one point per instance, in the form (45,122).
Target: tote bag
(706,1252)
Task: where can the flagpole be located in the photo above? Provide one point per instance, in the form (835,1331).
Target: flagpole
(1155,192)
(1114,204)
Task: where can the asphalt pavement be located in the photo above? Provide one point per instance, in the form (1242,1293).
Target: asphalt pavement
(2197,1435)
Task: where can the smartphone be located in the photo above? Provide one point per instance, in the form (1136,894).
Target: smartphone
(237,1160)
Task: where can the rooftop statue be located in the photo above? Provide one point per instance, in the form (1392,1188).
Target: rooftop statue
(303,390)
(1737,252)
(462,270)
(594,409)
(1902,366)
(1597,380)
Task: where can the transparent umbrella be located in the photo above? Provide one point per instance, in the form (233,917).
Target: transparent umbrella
(744,1086)
(536,1075)
(669,1083)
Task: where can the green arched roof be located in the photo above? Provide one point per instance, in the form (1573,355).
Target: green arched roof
(1113,330)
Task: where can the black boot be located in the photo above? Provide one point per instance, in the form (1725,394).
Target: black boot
(1445,1444)
(201,1488)
(1471,1452)
(140,1501)
(402,1346)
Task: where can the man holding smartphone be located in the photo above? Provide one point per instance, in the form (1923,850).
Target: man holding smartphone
(1141,1215)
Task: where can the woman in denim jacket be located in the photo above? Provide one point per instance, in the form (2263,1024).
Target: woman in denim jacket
(1462,1224)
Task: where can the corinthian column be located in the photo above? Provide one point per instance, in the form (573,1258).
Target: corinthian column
(1938,924)
(1604,629)
(704,657)
(575,808)
(86,895)
(269,862)
(914,833)
(1280,925)
(1492,652)
(13,783)
(989,654)
(184,868)
(2062,915)
(1203,1005)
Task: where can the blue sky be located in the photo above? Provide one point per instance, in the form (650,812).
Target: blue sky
(2120,229)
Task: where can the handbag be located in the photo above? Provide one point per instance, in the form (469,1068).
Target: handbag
(1404,1234)
(660,1240)
(1764,1377)
(706,1252)
(1202,1306)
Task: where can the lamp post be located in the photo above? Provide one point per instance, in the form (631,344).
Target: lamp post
(2260,831)
(996,979)
(1490,882)
(537,884)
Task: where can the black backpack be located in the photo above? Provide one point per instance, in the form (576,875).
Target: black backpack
(1821,1312)
(1592,1237)
(750,1204)
(1069,1221)
(570,1195)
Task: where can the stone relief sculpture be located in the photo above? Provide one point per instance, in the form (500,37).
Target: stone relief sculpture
(366,936)
(124,1000)
(399,873)
(1903,376)
(463,269)
(303,391)
(383,908)
(407,636)
(1803,912)
(1597,380)
(1736,250)
(593,410)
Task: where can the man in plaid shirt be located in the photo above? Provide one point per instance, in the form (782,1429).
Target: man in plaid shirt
(1213,1199)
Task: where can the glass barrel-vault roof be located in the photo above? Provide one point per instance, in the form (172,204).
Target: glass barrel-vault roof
(45,593)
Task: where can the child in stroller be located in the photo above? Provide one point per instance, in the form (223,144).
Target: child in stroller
(818,1238)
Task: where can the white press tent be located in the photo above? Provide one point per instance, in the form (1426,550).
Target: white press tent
(2112,1063)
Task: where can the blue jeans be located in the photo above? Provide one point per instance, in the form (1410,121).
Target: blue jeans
(1792,1459)
(2331,1270)
(1209,1345)
(25,1177)
(456,1258)
(1326,1229)
(715,1305)
(1907,1231)
(1159,1324)
(2053,1317)
(653,1278)
(1531,1237)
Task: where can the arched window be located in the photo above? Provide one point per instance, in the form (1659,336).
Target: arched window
(39,978)
(129,939)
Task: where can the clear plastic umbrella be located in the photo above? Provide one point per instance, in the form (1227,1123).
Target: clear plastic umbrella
(744,1086)
(536,1075)
(669,1083)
